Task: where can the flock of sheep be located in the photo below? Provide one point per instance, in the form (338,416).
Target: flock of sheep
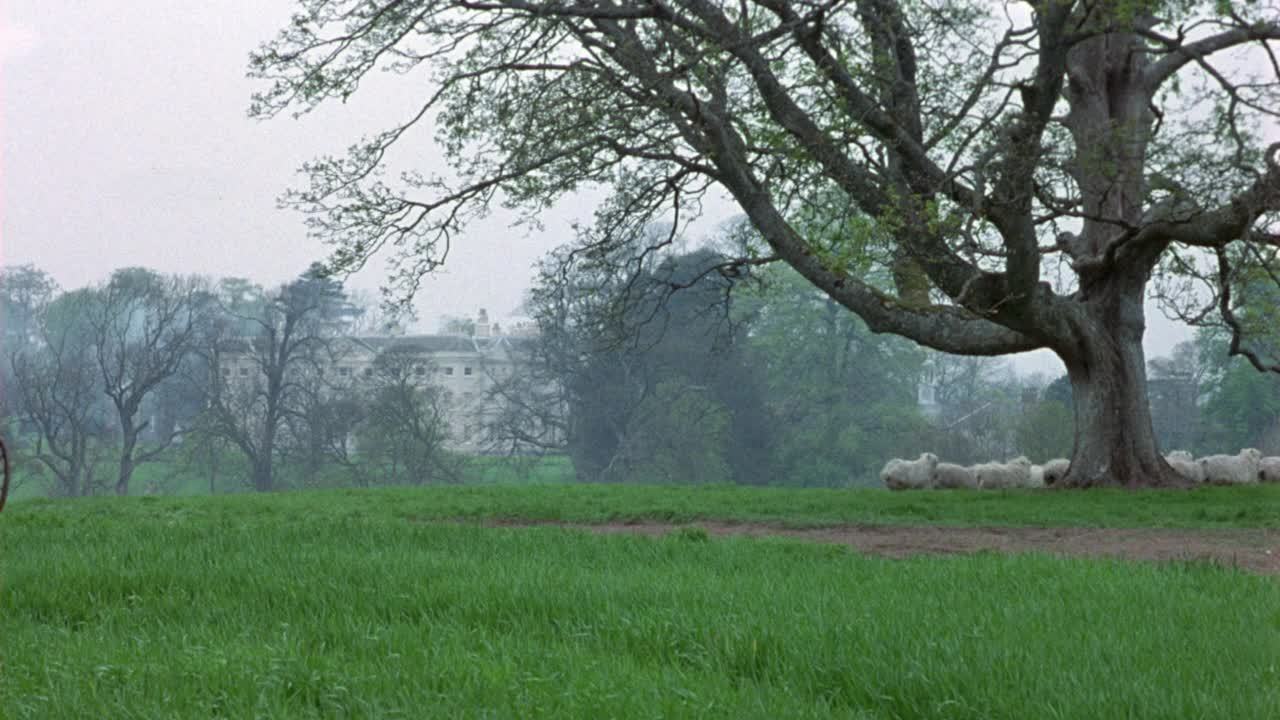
(1247,468)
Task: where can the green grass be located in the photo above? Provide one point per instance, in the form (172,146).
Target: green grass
(335,605)
(187,474)
(1210,507)
(1257,506)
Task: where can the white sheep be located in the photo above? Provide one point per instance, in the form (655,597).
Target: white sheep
(1037,477)
(901,474)
(952,476)
(1055,470)
(997,476)
(1268,469)
(1185,465)
(1239,469)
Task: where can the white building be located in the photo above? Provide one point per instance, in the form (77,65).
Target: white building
(466,368)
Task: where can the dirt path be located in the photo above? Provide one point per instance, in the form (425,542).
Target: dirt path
(1254,550)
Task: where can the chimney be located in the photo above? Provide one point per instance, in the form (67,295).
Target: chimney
(482,324)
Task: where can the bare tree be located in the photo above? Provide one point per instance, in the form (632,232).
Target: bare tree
(405,430)
(58,384)
(327,409)
(926,164)
(258,378)
(979,408)
(24,292)
(527,409)
(143,326)
(333,425)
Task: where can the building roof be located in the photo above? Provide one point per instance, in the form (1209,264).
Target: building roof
(405,343)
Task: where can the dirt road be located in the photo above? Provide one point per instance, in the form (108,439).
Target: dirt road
(1253,550)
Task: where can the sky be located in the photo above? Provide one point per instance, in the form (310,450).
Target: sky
(125,140)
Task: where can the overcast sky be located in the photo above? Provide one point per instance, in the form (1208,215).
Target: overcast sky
(125,141)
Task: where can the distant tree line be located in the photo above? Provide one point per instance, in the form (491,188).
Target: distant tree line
(690,367)
(100,381)
(695,367)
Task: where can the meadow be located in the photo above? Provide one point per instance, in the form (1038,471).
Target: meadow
(362,604)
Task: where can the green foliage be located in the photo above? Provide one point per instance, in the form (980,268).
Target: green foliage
(891,138)
(678,434)
(24,291)
(1047,432)
(658,382)
(841,399)
(403,439)
(1059,391)
(1241,407)
(334,605)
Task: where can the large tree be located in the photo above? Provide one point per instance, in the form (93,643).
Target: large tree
(24,292)
(58,385)
(403,435)
(262,356)
(143,325)
(969,149)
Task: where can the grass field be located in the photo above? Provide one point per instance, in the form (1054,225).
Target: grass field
(345,604)
(176,473)
(1209,507)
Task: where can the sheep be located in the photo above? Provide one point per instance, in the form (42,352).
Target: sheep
(996,476)
(1055,470)
(910,474)
(1037,477)
(1268,470)
(1185,465)
(1242,469)
(950,475)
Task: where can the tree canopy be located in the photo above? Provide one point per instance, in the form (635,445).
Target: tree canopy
(969,151)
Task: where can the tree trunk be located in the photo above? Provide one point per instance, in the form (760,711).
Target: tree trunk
(126,472)
(1114,442)
(129,442)
(263,477)
(213,469)
(262,480)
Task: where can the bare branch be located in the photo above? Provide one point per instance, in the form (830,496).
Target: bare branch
(1180,53)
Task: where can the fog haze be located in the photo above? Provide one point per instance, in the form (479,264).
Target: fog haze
(126,142)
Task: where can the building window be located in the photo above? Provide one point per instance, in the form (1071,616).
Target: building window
(244,372)
(368,372)
(344,371)
(226,372)
(420,370)
(466,371)
(448,370)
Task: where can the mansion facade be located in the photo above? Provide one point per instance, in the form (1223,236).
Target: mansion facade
(466,368)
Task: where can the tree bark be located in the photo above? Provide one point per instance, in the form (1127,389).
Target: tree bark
(126,472)
(213,469)
(262,480)
(1115,445)
(129,441)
